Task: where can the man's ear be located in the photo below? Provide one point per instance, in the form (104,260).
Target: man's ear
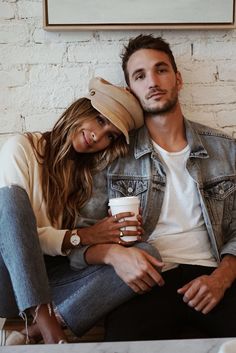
(179,80)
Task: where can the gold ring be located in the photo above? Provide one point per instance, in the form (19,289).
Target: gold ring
(121,234)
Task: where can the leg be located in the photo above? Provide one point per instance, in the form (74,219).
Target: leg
(8,305)
(219,322)
(83,297)
(23,272)
(157,314)
(19,245)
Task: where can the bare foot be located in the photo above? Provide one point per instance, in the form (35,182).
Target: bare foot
(33,334)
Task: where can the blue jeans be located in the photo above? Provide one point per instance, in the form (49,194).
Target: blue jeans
(22,270)
(83,297)
(28,278)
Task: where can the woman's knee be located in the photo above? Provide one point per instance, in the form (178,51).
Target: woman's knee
(14,197)
(15,206)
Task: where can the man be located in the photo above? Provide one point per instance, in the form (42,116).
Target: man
(185,176)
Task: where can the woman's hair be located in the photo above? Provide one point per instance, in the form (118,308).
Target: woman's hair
(67,175)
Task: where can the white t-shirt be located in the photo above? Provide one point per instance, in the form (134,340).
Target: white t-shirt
(180,234)
(20,167)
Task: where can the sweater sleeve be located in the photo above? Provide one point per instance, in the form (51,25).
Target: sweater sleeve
(51,240)
(19,166)
(14,162)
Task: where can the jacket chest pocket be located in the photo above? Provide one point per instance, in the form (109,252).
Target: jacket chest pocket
(128,187)
(219,199)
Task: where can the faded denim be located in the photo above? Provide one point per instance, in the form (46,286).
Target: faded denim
(211,164)
(22,270)
(81,297)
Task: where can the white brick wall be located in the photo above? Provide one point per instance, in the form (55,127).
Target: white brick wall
(42,72)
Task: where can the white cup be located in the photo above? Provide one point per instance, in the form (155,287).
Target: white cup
(228,347)
(126,204)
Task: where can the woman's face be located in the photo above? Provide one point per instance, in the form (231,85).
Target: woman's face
(94,135)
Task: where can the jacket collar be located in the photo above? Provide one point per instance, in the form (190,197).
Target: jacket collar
(143,144)
(197,148)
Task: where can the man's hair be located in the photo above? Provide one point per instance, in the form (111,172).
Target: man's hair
(145,42)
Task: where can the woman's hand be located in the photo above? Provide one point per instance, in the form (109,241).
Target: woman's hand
(110,230)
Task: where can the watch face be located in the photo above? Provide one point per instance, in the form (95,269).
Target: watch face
(75,239)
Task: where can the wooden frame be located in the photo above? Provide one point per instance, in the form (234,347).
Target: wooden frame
(120,14)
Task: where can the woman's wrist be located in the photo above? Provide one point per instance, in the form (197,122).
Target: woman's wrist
(71,241)
(84,236)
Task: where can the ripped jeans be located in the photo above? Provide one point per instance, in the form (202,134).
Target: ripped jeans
(29,279)
(24,281)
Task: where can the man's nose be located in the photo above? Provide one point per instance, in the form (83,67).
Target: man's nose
(153,80)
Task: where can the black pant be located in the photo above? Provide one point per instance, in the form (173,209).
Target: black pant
(162,314)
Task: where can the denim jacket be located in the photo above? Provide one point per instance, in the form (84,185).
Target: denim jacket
(211,164)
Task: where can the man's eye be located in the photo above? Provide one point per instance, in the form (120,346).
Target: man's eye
(139,77)
(161,71)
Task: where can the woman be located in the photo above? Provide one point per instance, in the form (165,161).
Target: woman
(45,180)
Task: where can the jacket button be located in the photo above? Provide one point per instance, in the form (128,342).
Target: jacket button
(130,190)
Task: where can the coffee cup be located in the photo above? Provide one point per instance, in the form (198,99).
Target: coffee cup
(126,204)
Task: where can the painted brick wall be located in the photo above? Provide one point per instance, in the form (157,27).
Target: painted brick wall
(43,72)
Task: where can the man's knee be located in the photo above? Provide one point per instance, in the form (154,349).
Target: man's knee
(150,249)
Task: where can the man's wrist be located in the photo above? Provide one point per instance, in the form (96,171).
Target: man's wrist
(226,272)
(110,254)
(100,254)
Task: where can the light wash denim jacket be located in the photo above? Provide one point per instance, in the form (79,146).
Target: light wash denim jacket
(212,164)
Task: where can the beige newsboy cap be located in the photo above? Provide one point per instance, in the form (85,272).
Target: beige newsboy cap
(117,104)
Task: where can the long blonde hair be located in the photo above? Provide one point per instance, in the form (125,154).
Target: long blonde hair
(67,176)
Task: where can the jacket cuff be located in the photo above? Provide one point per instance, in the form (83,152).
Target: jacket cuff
(77,258)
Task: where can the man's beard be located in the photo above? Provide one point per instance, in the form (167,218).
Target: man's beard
(165,108)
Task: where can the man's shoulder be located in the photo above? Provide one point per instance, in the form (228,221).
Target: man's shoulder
(208,131)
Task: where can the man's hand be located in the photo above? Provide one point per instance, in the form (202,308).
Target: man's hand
(136,268)
(205,292)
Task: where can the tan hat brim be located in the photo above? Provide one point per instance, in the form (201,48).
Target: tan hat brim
(113,113)
(117,104)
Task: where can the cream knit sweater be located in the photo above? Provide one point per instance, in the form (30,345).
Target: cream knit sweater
(19,166)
